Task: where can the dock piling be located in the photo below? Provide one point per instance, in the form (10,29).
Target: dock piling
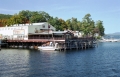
(0,47)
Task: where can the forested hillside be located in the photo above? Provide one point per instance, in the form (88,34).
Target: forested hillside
(87,25)
(4,16)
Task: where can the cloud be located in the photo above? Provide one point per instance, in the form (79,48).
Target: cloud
(114,11)
(66,12)
(2,10)
(71,9)
(64,7)
(109,11)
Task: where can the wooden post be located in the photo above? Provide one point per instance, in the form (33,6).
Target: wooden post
(0,44)
(18,44)
(64,47)
(70,46)
(77,45)
(85,45)
(97,43)
(60,46)
(0,47)
(89,44)
(23,45)
(82,45)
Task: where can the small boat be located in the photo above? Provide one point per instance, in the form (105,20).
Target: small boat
(20,46)
(48,48)
(109,40)
(52,46)
(31,47)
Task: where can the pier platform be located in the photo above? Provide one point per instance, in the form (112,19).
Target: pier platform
(63,44)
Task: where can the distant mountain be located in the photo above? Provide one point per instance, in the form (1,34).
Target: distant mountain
(116,33)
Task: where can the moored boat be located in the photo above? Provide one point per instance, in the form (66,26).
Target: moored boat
(108,40)
(48,48)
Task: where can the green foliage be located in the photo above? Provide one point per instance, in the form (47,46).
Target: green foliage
(99,26)
(37,17)
(87,25)
(98,37)
(4,16)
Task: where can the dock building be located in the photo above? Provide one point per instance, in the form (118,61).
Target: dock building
(22,31)
(37,34)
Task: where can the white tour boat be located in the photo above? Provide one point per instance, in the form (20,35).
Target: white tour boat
(48,48)
(109,40)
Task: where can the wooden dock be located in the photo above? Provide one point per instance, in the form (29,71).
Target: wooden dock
(77,43)
(3,43)
(63,44)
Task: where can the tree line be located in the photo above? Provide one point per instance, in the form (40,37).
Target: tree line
(87,25)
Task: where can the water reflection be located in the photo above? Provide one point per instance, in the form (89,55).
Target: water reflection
(14,62)
(102,61)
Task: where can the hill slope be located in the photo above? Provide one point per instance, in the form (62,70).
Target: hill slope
(5,16)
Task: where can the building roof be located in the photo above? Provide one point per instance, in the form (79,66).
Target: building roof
(29,24)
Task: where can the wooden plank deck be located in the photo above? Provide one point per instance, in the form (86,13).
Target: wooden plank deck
(36,40)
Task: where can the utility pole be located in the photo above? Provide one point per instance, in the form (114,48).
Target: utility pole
(0,44)
(48,31)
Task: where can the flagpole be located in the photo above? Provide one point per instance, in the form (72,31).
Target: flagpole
(48,31)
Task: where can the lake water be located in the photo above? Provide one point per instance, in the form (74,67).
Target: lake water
(102,61)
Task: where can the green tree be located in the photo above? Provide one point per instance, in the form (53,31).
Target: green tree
(37,17)
(68,24)
(88,25)
(5,16)
(62,24)
(79,24)
(55,22)
(15,19)
(25,15)
(100,27)
(74,24)
(45,15)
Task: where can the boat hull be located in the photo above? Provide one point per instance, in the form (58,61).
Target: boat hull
(46,48)
(109,40)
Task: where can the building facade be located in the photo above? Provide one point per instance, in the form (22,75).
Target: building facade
(22,31)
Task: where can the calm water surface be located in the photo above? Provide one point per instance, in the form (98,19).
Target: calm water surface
(102,61)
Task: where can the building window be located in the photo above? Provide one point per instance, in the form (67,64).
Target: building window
(26,36)
(43,26)
(36,31)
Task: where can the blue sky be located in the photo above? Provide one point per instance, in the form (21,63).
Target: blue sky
(106,10)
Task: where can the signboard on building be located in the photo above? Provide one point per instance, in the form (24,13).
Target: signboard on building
(0,42)
(0,36)
(19,32)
